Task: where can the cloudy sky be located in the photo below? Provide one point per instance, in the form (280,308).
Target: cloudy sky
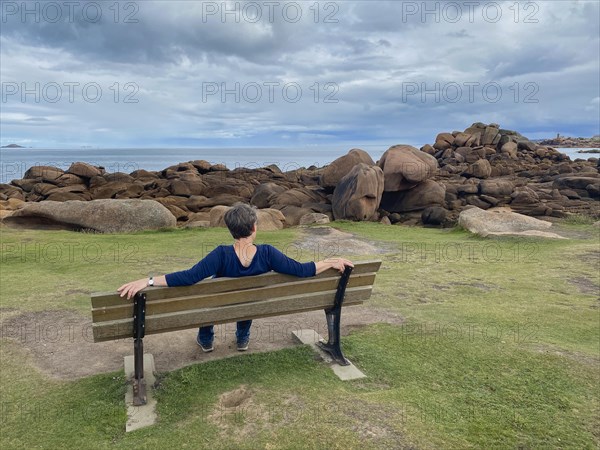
(279,73)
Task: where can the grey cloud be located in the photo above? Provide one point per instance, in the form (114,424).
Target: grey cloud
(37,119)
(369,53)
(165,33)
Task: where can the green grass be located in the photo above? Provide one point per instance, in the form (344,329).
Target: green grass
(499,349)
(580,219)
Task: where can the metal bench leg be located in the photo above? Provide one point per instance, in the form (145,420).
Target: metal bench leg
(139,319)
(333,315)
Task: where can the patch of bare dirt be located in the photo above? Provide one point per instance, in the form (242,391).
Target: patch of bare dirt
(582,358)
(62,346)
(592,257)
(585,285)
(238,414)
(77,291)
(7,312)
(481,286)
(440,287)
(378,424)
(235,398)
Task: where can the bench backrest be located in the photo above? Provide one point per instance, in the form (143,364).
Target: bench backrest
(221,300)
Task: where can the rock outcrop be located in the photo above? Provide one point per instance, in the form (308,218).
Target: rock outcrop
(405,166)
(358,194)
(486,166)
(572,142)
(483,166)
(423,195)
(107,216)
(338,169)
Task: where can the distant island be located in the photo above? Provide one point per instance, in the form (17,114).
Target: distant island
(571,142)
(12,146)
(595,150)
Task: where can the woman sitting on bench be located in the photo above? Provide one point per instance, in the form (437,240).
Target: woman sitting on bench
(241,259)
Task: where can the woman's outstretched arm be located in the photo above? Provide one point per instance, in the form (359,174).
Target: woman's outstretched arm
(205,268)
(283,264)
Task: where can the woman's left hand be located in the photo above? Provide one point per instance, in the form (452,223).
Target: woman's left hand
(132,288)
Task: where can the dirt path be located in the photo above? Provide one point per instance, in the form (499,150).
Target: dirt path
(61,345)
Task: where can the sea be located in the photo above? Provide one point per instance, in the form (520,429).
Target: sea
(14,162)
(574,153)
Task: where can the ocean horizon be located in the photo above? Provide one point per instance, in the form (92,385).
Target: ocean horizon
(14,162)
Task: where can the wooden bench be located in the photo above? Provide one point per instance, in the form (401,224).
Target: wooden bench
(221,300)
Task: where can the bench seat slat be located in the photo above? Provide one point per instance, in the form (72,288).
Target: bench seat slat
(297,287)
(219,285)
(159,323)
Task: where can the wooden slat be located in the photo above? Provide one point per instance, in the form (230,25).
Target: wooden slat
(218,285)
(297,287)
(160,323)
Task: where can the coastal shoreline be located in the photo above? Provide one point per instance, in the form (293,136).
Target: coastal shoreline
(483,166)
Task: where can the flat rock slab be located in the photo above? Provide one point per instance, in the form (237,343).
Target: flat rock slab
(145,415)
(105,216)
(504,222)
(319,242)
(344,373)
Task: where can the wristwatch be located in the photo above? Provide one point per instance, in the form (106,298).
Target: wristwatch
(151,281)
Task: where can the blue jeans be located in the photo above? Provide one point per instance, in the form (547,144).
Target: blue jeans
(242,334)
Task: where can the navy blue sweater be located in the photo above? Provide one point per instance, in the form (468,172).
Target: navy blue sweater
(223,262)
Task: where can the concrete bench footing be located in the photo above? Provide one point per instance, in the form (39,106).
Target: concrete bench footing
(344,373)
(145,415)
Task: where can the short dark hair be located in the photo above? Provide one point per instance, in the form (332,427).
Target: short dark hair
(240,220)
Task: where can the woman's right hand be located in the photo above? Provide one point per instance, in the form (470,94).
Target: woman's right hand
(340,263)
(335,263)
(132,288)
